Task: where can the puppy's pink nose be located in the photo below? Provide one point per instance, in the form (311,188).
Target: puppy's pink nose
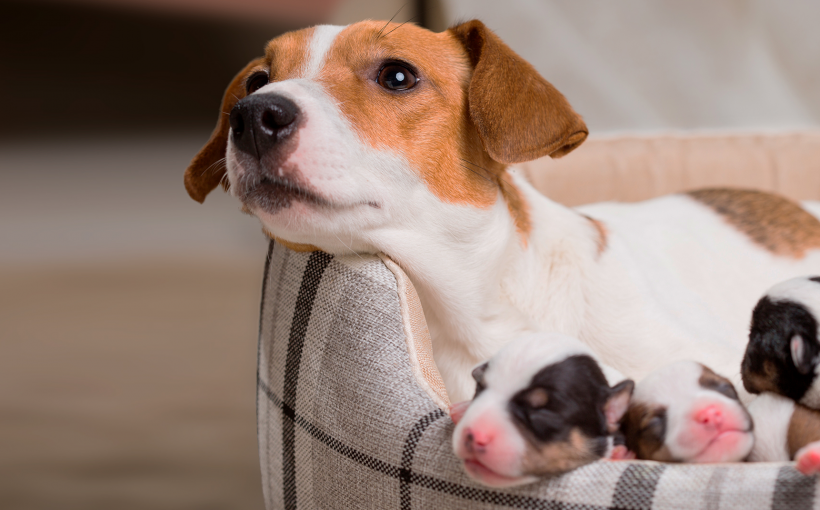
(477,438)
(710,416)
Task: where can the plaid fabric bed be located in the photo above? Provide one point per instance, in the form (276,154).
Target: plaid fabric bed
(343,425)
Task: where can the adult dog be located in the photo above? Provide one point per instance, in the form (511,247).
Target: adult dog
(379,137)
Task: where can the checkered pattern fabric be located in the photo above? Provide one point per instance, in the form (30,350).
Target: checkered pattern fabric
(344,424)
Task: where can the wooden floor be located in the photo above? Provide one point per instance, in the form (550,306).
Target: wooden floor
(128,324)
(129,386)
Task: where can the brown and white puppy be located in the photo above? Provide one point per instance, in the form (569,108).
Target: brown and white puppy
(684,412)
(543,405)
(380,137)
(783,353)
(786,431)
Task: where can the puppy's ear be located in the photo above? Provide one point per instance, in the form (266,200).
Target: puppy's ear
(457,410)
(518,114)
(801,357)
(207,168)
(617,404)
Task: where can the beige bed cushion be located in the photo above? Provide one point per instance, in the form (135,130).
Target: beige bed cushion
(637,167)
(351,408)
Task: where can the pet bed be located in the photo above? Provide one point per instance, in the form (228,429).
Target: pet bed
(350,404)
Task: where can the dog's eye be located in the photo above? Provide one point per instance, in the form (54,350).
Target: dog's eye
(397,77)
(256,81)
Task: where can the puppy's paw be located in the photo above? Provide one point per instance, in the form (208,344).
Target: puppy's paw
(620,452)
(457,410)
(807,459)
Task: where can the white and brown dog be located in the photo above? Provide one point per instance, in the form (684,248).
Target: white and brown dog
(378,137)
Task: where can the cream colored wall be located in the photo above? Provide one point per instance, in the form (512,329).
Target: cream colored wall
(666,64)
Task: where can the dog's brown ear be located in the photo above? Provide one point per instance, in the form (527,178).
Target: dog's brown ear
(207,168)
(518,114)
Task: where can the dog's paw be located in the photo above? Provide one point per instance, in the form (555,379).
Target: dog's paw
(621,452)
(807,459)
(457,410)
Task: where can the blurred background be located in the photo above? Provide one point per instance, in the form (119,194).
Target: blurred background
(128,312)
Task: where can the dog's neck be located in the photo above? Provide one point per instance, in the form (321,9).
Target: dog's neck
(481,282)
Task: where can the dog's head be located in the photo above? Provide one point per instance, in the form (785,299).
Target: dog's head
(542,406)
(344,130)
(783,353)
(685,412)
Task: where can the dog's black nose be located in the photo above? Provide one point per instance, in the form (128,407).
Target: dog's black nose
(260,122)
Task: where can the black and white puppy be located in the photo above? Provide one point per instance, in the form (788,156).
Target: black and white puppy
(543,405)
(783,351)
(684,412)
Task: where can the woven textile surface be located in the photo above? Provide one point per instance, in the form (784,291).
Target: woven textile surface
(343,423)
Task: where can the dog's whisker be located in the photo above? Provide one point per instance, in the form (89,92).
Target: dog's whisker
(379,34)
(213,167)
(398,27)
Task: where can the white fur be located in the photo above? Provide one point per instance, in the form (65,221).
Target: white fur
(675,281)
(771,414)
(323,37)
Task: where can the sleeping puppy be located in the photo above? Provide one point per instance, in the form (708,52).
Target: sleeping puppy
(783,351)
(543,405)
(684,412)
(786,431)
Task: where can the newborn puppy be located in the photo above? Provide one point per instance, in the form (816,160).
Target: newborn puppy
(782,353)
(684,412)
(785,431)
(542,406)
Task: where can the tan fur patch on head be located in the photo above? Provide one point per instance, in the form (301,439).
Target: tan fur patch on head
(771,221)
(287,56)
(427,125)
(559,457)
(804,428)
(639,437)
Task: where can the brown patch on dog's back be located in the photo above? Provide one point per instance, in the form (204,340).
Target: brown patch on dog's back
(774,222)
(804,428)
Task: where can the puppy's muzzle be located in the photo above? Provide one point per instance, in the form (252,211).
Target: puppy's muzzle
(260,123)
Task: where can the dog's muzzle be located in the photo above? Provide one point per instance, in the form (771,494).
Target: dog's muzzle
(262,122)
